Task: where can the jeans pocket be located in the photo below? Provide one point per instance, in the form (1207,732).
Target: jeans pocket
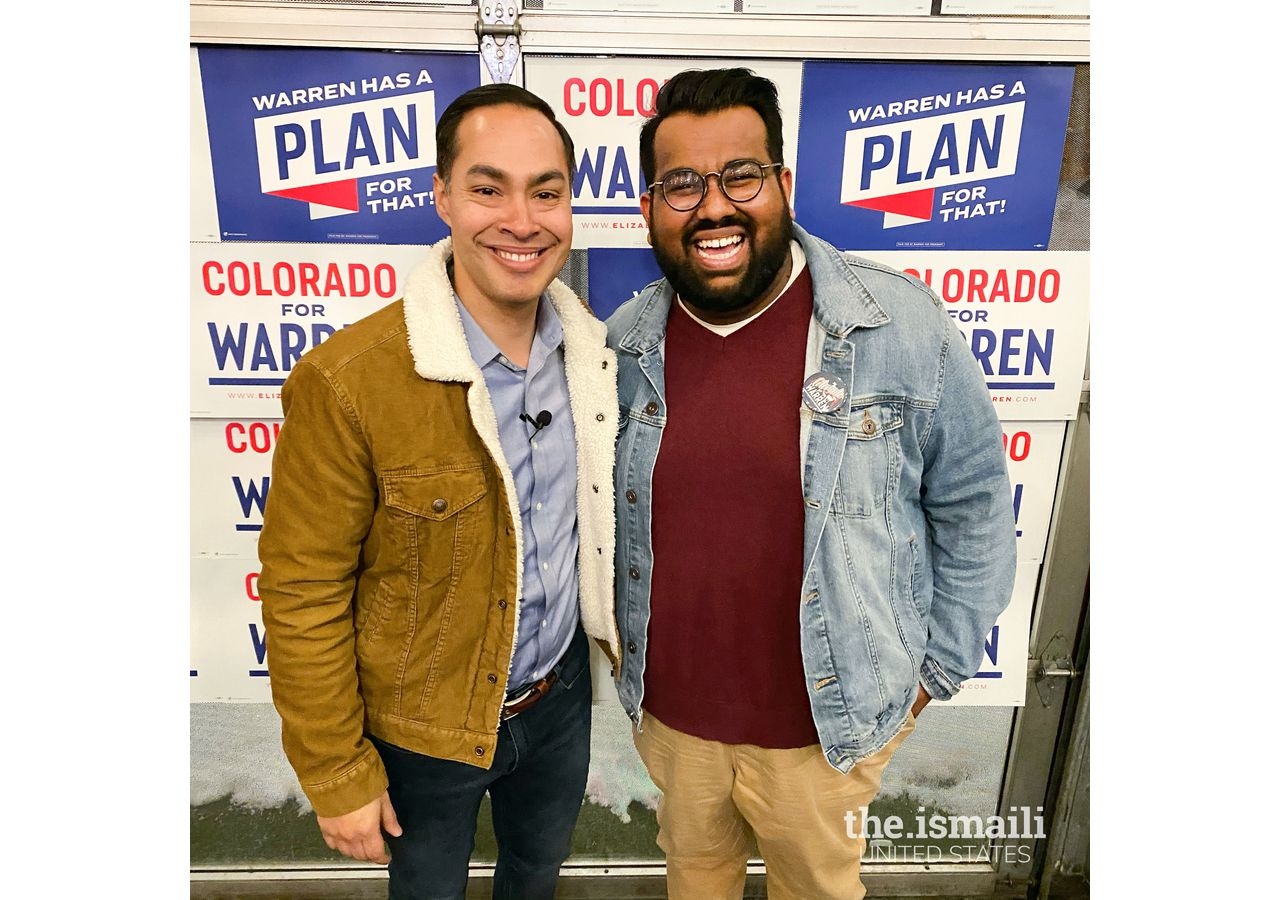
(576,662)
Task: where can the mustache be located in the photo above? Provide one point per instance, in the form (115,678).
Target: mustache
(697,228)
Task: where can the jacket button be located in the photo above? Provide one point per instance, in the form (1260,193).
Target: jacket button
(868,426)
(634,572)
(599,417)
(493,679)
(631,646)
(651,407)
(595,488)
(604,364)
(479,751)
(631,496)
(502,604)
(440,504)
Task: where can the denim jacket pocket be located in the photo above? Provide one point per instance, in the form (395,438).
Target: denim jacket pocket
(915,583)
(870,461)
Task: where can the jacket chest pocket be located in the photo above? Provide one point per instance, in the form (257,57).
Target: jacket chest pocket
(436,496)
(871,460)
(435,519)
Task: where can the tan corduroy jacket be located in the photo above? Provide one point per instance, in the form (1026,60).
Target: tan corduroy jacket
(391,548)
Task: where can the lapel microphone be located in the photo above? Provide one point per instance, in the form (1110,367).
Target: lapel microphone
(542,421)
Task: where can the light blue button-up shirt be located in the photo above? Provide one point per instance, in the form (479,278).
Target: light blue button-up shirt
(542,462)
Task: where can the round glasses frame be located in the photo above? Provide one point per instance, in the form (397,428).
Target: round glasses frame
(685,204)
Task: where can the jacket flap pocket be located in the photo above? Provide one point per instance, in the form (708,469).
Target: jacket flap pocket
(869,422)
(437,495)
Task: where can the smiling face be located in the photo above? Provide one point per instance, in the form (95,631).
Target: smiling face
(507,205)
(726,260)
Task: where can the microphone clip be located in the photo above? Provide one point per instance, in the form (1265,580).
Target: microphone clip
(541,421)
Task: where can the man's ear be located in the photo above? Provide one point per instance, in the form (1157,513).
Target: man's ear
(784,176)
(441,192)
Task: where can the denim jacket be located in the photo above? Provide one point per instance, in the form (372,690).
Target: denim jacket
(909,547)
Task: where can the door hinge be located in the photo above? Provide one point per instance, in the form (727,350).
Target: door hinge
(498,28)
(1049,669)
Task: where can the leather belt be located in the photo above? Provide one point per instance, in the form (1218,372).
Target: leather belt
(529,696)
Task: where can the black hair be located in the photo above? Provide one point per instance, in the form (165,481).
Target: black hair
(703,91)
(490,95)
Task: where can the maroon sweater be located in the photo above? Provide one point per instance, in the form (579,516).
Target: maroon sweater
(723,659)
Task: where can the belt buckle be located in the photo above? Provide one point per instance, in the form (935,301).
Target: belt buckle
(514,700)
(507,705)
(537,691)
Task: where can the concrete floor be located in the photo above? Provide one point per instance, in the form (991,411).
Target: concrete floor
(570,889)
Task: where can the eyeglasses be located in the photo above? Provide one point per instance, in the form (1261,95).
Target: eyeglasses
(740,180)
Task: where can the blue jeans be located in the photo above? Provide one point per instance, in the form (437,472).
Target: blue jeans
(535,786)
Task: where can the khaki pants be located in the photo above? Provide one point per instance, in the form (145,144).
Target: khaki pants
(715,797)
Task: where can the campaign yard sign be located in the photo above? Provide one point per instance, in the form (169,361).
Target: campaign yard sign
(257,308)
(230,478)
(327,145)
(614,276)
(1001,679)
(1033,452)
(228,640)
(603,103)
(1023,314)
(941,156)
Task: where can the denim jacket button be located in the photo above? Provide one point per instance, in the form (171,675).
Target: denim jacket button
(651,407)
(631,646)
(631,495)
(440,505)
(479,751)
(634,573)
(493,679)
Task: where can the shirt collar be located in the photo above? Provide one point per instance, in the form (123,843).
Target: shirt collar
(548,332)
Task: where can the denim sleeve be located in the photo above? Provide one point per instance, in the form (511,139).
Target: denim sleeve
(968,505)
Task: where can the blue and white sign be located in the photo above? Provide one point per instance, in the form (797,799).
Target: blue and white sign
(257,308)
(1001,680)
(327,145)
(1032,451)
(603,103)
(941,156)
(228,641)
(230,478)
(1024,316)
(204,209)
(615,276)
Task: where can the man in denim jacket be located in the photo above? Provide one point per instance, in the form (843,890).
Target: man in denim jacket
(815,529)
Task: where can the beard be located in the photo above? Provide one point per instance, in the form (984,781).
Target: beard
(767,256)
